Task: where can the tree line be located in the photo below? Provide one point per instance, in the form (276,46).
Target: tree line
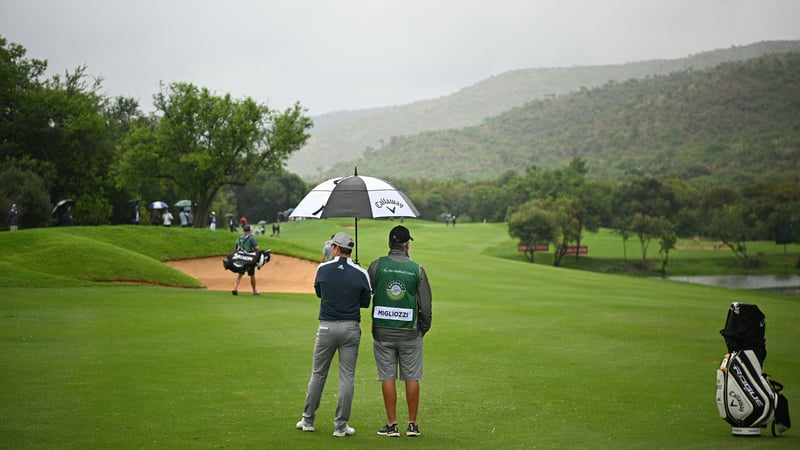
(60,138)
(557,206)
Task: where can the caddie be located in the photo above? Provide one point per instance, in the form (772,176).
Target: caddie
(401,315)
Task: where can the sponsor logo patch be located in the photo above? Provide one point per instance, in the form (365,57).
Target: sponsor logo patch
(396,290)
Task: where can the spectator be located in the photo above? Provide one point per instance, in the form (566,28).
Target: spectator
(66,218)
(13,218)
(167,218)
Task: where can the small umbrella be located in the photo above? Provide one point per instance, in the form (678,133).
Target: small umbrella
(157,205)
(229,215)
(184,203)
(355,196)
(62,203)
(262,222)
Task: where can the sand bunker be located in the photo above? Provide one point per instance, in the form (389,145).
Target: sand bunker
(280,274)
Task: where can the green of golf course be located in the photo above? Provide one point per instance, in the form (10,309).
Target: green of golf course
(519,355)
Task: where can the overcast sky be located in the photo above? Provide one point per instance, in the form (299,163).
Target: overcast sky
(333,55)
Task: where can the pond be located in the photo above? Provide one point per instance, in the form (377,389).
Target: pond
(776,284)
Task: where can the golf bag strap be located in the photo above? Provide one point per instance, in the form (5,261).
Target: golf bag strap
(782,419)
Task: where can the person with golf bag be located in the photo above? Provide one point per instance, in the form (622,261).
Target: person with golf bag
(245,259)
(747,398)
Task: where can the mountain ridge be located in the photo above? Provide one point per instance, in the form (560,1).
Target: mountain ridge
(344,136)
(734,123)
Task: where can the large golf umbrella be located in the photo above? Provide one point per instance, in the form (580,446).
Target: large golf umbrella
(183,203)
(62,203)
(355,196)
(157,205)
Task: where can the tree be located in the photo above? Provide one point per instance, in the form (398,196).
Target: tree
(666,243)
(82,150)
(202,142)
(487,204)
(270,193)
(566,214)
(56,129)
(532,225)
(731,225)
(644,207)
(19,78)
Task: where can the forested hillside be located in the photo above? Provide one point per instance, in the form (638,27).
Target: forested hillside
(735,122)
(343,136)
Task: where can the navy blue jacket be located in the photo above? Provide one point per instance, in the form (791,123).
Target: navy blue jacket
(343,287)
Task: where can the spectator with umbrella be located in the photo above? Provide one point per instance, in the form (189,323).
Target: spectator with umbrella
(63,210)
(156,209)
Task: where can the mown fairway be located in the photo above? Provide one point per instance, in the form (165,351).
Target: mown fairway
(520,355)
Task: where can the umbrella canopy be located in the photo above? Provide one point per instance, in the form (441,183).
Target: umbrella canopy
(360,197)
(62,203)
(157,205)
(356,196)
(184,203)
(262,222)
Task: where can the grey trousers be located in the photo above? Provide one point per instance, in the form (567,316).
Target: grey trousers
(344,336)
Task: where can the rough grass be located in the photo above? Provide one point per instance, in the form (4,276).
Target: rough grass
(520,355)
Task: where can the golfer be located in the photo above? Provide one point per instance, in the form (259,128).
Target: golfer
(247,243)
(343,288)
(401,315)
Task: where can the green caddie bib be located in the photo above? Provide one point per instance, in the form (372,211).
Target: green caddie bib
(395,302)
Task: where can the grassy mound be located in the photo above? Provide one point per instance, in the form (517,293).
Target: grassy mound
(78,256)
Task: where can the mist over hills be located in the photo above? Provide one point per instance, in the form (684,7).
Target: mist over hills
(372,138)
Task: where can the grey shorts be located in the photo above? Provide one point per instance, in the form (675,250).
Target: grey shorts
(405,354)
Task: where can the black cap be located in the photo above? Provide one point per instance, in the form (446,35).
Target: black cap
(400,235)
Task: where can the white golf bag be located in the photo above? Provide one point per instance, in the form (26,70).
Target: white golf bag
(747,398)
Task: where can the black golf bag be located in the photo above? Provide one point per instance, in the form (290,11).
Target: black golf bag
(747,398)
(240,261)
